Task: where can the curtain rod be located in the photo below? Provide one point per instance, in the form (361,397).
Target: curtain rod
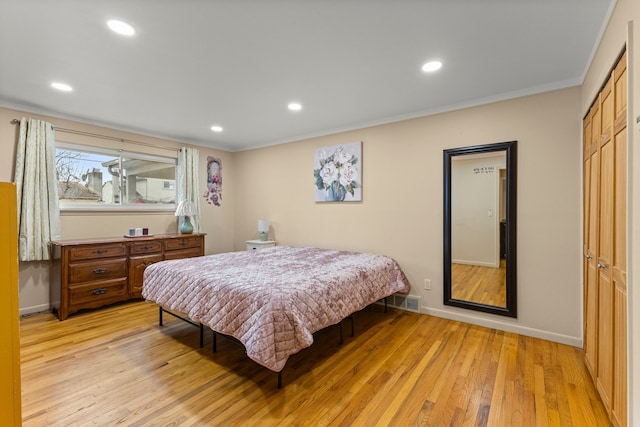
(111,138)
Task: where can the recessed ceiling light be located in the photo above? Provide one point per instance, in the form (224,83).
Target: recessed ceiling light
(431,66)
(216,128)
(294,106)
(121,28)
(61,86)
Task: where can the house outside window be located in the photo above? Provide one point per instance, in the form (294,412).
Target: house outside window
(95,178)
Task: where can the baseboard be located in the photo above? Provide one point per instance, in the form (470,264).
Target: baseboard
(467,318)
(25,311)
(479,263)
(505,326)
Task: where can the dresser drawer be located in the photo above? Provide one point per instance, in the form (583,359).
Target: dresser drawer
(149,247)
(185,253)
(182,243)
(104,270)
(97,251)
(97,293)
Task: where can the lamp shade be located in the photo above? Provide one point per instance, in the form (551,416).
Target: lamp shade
(263,226)
(185,208)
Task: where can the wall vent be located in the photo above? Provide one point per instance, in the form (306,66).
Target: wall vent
(405,302)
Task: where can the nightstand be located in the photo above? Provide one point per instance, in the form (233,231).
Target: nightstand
(260,244)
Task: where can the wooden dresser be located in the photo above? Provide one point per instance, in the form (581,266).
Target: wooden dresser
(90,273)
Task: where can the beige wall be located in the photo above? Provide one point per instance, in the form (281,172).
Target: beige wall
(401,211)
(217,222)
(624,28)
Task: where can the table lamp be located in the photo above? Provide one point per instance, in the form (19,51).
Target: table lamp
(263,229)
(185,210)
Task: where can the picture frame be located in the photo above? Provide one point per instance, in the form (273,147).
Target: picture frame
(338,173)
(213,195)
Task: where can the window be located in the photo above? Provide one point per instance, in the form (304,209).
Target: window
(95,178)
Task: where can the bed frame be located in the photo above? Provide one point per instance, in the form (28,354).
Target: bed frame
(200,326)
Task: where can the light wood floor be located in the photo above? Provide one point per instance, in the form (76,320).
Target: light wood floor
(117,366)
(484,285)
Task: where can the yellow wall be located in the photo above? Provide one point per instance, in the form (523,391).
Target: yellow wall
(401,211)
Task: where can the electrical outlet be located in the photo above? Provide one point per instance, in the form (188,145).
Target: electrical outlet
(427,284)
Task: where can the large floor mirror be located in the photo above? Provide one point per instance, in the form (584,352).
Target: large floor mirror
(480,228)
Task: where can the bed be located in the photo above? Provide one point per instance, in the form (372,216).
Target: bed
(272,300)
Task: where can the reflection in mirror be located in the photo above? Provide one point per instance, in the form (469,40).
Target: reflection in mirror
(477,210)
(479,242)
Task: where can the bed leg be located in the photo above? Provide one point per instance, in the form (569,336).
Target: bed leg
(385,304)
(353,332)
(341,337)
(280,379)
(201,335)
(160,316)
(215,341)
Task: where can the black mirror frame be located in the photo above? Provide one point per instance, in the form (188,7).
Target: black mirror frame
(512,172)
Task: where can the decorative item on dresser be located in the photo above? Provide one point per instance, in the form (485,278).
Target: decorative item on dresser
(185,210)
(260,244)
(90,273)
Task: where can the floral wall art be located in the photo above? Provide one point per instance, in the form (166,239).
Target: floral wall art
(338,173)
(213,195)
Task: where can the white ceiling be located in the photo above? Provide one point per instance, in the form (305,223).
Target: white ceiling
(351,63)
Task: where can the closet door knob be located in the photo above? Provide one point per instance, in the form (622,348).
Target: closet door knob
(588,256)
(601,266)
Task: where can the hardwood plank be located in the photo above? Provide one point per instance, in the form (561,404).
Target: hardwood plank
(484,285)
(116,366)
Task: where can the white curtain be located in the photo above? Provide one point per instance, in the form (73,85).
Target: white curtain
(37,185)
(188,182)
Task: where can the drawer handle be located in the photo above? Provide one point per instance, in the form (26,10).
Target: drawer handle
(99,291)
(99,270)
(100,251)
(184,243)
(144,248)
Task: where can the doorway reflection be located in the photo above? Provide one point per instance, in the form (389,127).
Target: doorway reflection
(478,228)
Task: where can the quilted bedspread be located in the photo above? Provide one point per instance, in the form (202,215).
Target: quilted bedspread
(273,300)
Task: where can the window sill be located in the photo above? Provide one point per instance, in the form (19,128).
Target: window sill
(142,208)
